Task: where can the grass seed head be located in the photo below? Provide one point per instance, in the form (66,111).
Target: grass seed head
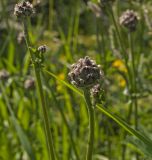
(23,9)
(129,19)
(85,73)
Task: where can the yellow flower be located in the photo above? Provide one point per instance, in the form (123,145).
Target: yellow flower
(122,83)
(119,65)
(61,76)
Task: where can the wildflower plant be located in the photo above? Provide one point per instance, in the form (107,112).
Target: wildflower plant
(23,11)
(85,74)
(129,19)
(112,33)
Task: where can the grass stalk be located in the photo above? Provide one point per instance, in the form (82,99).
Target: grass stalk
(37,70)
(134,87)
(91,125)
(67,125)
(124,147)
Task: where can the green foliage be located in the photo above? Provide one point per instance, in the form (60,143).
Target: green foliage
(72,30)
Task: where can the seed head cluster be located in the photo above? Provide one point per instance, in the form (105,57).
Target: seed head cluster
(23,9)
(85,73)
(129,19)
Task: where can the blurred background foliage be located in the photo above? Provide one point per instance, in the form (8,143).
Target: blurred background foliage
(71,29)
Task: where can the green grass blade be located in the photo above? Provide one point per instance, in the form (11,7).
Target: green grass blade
(118,120)
(22,136)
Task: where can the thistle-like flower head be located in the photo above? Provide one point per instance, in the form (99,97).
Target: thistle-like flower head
(85,73)
(129,19)
(23,9)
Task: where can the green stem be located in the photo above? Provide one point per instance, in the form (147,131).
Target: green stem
(124,147)
(91,125)
(50,25)
(49,139)
(134,87)
(124,53)
(67,125)
(98,40)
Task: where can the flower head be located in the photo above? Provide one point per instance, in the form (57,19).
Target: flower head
(23,9)
(42,49)
(95,9)
(118,64)
(4,74)
(129,19)
(29,84)
(85,73)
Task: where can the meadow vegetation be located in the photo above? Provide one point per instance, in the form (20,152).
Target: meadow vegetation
(75,80)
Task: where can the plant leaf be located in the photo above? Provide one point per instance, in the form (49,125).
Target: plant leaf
(147,141)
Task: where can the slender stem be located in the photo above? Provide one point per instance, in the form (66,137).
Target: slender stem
(67,125)
(134,87)
(91,125)
(110,11)
(98,40)
(50,24)
(49,139)
(124,147)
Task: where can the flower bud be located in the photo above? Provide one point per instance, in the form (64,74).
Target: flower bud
(129,19)
(42,49)
(85,73)
(29,84)
(4,75)
(23,9)
(97,93)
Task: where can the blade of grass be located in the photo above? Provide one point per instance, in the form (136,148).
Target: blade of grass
(147,141)
(22,136)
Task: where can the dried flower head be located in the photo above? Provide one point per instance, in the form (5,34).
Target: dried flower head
(85,73)
(129,19)
(4,74)
(23,9)
(42,49)
(29,84)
